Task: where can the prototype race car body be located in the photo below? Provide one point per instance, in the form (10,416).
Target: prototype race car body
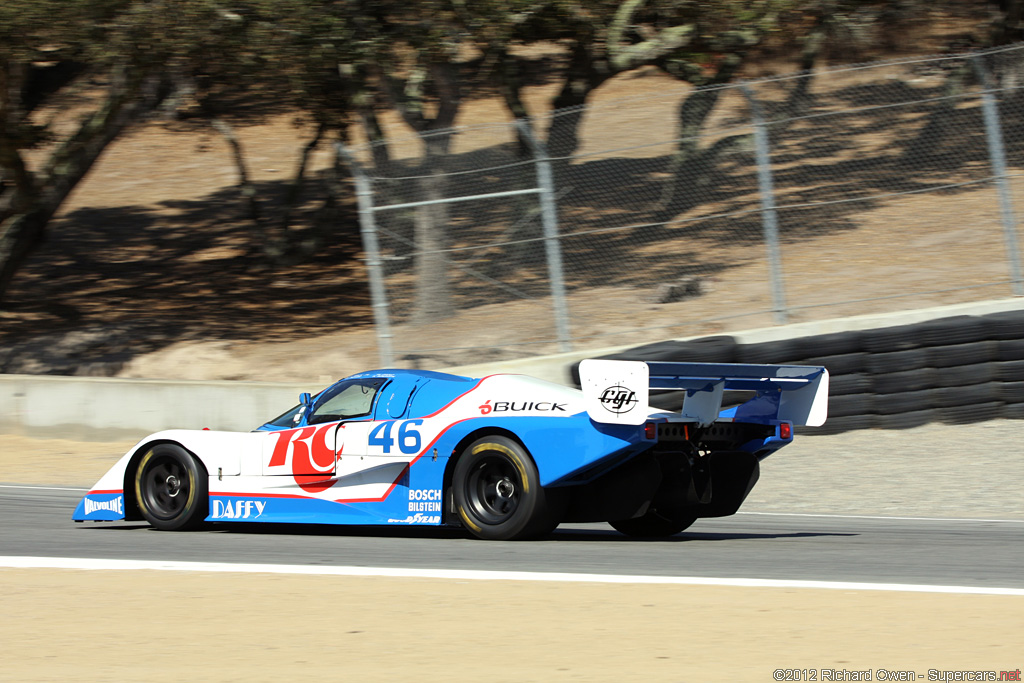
(506,456)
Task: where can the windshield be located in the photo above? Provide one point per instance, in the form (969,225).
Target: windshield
(290,418)
(346,400)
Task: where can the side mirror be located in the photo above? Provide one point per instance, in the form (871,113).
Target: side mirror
(305,399)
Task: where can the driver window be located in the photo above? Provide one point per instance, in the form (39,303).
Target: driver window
(352,399)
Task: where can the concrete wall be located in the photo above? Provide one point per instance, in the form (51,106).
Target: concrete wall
(113,409)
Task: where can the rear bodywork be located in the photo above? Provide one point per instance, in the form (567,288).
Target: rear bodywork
(602,445)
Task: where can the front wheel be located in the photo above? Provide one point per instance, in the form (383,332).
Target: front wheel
(171,488)
(497,492)
(655,524)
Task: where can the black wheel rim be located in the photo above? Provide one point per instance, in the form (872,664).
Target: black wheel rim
(494,489)
(165,487)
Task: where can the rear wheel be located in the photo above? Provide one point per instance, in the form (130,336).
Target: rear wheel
(497,492)
(655,524)
(171,488)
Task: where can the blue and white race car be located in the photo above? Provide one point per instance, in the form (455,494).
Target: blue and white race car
(506,456)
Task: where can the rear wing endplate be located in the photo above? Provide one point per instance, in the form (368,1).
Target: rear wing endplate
(618,392)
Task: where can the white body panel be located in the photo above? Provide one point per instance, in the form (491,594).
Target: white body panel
(615,391)
(808,405)
(221,453)
(703,405)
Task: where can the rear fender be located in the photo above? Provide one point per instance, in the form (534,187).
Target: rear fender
(456,454)
(562,447)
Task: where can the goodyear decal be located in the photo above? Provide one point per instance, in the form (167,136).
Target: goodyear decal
(418,518)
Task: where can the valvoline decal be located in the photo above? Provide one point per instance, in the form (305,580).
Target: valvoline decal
(101,506)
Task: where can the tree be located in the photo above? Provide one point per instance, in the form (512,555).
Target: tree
(46,46)
(144,54)
(306,56)
(608,37)
(417,70)
(1008,28)
(724,38)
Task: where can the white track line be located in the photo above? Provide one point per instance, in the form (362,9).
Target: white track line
(907,519)
(15,562)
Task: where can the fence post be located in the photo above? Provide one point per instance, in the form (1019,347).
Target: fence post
(769,219)
(549,219)
(997,157)
(368,230)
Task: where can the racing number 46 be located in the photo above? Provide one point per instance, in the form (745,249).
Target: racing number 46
(408,437)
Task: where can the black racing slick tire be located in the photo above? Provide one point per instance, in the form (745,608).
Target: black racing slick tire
(654,524)
(171,488)
(497,492)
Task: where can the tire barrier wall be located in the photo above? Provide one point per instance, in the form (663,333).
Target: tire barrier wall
(956,370)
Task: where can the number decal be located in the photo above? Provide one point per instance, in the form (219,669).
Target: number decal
(384,441)
(409,440)
(405,431)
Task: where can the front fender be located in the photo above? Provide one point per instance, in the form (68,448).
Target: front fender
(105,500)
(222,454)
(228,454)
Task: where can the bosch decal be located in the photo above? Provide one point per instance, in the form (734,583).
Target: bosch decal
(426,500)
(521,407)
(618,399)
(238,509)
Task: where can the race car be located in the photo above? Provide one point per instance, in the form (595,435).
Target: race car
(506,456)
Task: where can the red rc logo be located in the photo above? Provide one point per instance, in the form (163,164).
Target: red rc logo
(312,458)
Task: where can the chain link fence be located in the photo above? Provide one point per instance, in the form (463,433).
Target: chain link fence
(838,192)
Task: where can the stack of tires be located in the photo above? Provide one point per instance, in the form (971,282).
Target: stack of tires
(851,403)
(956,370)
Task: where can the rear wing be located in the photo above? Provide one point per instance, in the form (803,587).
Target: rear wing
(617,391)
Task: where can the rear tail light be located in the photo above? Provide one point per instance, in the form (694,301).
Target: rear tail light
(651,430)
(786,430)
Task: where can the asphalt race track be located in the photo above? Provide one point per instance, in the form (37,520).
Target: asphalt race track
(980,553)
